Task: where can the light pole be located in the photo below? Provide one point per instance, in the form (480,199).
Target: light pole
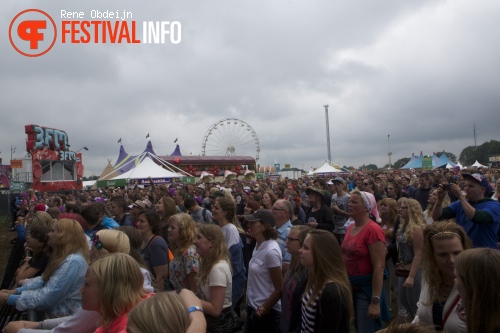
(328,134)
(12,151)
(81,149)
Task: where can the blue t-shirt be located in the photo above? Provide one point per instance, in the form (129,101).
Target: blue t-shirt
(481,235)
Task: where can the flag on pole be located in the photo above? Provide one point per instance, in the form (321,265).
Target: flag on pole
(176,140)
(147,136)
(119,141)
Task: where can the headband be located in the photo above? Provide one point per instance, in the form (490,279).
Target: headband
(445,233)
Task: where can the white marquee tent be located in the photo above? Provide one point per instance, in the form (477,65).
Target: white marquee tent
(326,168)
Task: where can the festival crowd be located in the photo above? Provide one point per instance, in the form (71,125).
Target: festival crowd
(322,254)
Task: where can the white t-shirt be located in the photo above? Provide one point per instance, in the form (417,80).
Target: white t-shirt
(219,276)
(231,234)
(259,283)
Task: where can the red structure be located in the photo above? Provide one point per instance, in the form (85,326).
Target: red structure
(54,166)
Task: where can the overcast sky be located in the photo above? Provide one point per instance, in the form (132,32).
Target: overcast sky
(421,71)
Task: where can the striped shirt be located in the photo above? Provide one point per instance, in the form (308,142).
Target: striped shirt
(309,312)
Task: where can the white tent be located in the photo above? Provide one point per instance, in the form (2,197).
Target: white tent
(147,168)
(310,173)
(478,165)
(449,166)
(326,168)
(460,166)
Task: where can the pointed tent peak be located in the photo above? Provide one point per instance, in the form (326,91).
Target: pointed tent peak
(149,148)
(122,155)
(177,151)
(421,154)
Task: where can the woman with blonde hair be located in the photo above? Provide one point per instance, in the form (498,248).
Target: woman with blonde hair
(433,198)
(327,304)
(105,243)
(477,272)
(214,279)
(113,286)
(410,240)
(224,212)
(186,263)
(43,219)
(438,304)
(294,281)
(163,312)
(56,292)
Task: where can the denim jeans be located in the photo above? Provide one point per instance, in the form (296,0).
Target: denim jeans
(362,322)
(409,296)
(268,323)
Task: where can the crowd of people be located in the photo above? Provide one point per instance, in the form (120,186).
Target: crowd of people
(319,254)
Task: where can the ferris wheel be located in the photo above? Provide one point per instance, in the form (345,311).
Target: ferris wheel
(231,137)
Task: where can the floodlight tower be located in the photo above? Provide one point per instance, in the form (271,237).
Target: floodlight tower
(389,146)
(328,134)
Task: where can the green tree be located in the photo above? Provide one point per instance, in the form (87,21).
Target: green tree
(451,156)
(480,153)
(401,162)
(372,167)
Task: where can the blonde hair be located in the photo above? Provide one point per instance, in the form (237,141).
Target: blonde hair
(328,266)
(112,241)
(446,202)
(187,232)
(120,285)
(432,274)
(479,272)
(43,219)
(71,240)
(218,252)
(163,312)
(415,218)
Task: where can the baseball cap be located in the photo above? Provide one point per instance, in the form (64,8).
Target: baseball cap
(138,203)
(262,215)
(339,179)
(481,180)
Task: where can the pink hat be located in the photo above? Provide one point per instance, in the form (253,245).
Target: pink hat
(371,205)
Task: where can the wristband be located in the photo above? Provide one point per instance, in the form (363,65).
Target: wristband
(195,308)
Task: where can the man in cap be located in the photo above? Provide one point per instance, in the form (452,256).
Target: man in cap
(340,203)
(136,208)
(318,215)
(477,213)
